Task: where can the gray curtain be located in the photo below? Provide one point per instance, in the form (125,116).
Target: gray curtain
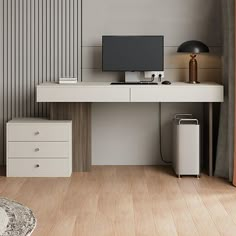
(225,147)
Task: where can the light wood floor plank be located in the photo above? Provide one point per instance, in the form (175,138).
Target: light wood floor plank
(10,186)
(229,203)
(125,223)
(144,220)
(183,220)
(219,215)
(127,201)
(162,214)
(105,215)
(161,210)
(63,225)
(196,207)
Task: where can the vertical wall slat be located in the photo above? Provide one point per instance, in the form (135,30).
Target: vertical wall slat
(40,40)
(52,40)
(28,58)
(60,37)
(44,56)
(17,59)
(9,63)
(24,59)
(1,84)
(63,15)
(79,37)
(48,39)
(71,25)
(36,52)
(67,41)
(20,98)
(13,61)
(40,52)
(5,60)
(56,40)
(75,30)
(32,55)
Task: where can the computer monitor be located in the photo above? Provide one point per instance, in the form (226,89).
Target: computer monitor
(133,53)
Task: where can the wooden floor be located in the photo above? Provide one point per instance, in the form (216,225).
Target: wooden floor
(127,201)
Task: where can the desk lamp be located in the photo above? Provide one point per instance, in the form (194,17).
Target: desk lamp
(193,47)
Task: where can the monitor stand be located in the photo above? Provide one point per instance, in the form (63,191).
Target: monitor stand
(133,77)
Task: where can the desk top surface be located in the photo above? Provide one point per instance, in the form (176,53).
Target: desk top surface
(108,84)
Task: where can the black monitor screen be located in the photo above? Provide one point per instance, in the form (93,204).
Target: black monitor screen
(132,53)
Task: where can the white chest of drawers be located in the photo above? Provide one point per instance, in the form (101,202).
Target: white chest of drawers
(39,148)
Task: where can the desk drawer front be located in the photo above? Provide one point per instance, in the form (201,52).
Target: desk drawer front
(38,150)
(171,93)
(80,94)
(38,132)
(38,168)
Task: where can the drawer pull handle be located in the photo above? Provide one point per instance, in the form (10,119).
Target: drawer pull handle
(37,133)
(36,149)
(37,166)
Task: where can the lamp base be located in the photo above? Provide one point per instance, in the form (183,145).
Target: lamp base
(193,70)
(193,82)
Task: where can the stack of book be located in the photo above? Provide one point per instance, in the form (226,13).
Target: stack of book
(67,80)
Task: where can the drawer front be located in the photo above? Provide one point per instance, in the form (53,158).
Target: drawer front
(38,132)
(38,150)
(83,94)
(38,168)
(177,94)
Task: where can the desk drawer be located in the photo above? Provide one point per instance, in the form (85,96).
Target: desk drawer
(38,168)
(173,93)
(38,132)
(83,94)
(38,150)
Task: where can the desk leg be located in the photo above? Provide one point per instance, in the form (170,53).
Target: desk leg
(210,136)
(80,114)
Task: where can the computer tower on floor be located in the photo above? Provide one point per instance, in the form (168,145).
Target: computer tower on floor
(186,145)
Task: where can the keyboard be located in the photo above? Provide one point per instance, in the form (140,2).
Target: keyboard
(134,83)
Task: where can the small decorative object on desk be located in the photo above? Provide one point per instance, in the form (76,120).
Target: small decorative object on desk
(68,80)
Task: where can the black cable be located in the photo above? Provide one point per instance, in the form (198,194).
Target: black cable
(160,137)
(150,81)
(153,77)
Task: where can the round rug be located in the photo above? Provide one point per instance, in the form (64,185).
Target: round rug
(15,219)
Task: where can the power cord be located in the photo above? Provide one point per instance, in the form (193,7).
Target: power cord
(150,81)
(160,137)
(153,77)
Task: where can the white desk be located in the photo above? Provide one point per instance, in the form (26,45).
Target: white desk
(85,93)
(104,92)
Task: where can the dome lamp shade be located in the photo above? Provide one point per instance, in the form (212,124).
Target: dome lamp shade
(193,47)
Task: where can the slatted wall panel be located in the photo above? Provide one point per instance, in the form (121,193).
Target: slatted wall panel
(40,40)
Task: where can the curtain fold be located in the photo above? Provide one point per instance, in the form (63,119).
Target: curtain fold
(225,156)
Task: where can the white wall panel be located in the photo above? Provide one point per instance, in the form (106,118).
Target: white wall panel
(32,33)
(92,58)
(175,74)
(178,20)
(130,134)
